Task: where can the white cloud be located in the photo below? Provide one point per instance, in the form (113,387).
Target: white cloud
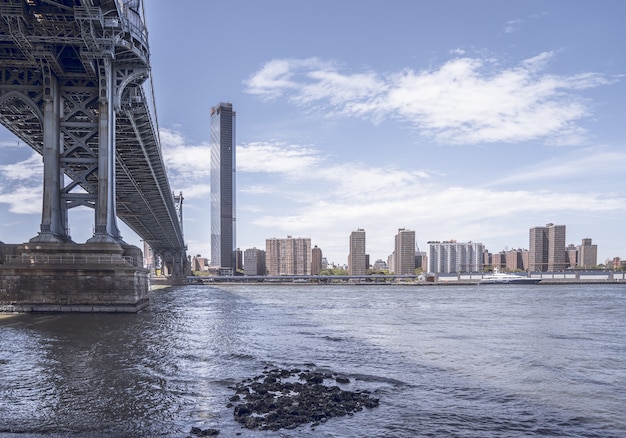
(184,161)
(266,157)
(30,168)
(196,191)
(22,185)
(464,101)
(23,199)
(295,169)
(277,75)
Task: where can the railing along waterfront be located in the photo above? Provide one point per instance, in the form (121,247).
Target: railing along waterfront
(39,259)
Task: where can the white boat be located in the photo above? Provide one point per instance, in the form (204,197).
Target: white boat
(502,278)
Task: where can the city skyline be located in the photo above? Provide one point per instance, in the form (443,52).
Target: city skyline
(547,253)
(467,121)
(357,240)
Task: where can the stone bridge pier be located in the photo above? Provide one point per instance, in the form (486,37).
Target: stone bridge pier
(71,277)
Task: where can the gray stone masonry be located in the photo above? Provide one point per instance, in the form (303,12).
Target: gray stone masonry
(69,277)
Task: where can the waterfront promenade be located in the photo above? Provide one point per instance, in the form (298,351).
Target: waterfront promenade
(574,277)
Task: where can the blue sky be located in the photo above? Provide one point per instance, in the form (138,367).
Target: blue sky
(466,120)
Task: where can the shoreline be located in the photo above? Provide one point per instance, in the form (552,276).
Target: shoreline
(416,284)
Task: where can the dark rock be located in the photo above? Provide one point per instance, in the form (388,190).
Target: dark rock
(271,404)
(342,379)
(206,432)
(242,410)
(313,378)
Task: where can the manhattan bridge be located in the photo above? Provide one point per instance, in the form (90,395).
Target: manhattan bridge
(75,86)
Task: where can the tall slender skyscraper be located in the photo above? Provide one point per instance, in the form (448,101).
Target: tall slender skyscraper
(223,242)
(357,265)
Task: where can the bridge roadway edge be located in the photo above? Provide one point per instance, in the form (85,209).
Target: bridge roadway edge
(71,277)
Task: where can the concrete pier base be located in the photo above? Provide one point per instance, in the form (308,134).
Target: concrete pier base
(70,277)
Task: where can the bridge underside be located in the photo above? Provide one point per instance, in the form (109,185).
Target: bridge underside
(72,87)
(72,78)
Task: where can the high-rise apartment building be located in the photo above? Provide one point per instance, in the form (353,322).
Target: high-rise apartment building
(254,261)
(391,262)
(316,260)
(538,249)
(357,260)
(288,256)
(451,256)
(421,260)
(556,248)
(587,254)
(199,263)
(498,260)
(571,256)
(487,258)
(547,248)
(223,187)
(404,260)
(515,259)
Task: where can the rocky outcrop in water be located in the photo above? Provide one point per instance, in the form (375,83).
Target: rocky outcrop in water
(286,399)
(204,432)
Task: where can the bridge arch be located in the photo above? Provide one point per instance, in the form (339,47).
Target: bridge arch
(6,96)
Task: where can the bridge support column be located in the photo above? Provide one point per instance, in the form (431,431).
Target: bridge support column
(106,220)
(54,215)
(175,264)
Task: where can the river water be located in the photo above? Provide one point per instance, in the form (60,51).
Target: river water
(466,361)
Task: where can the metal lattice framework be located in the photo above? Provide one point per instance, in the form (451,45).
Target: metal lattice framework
(62,64)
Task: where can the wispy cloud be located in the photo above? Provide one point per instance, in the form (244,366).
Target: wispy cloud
(513,25)
(463,101)
(21,185)
(188,165)
(22,199)
(353,188)
(310,167)
(182,159)
(30,168)
(327,199)
(268,157)
(584,163)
